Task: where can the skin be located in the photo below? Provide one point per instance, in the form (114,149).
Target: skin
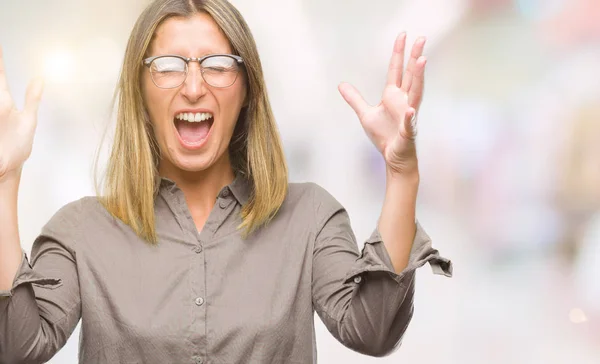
(391,127)
(17,128)
(199,173)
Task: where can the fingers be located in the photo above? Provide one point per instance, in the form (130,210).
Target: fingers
(353,98)
(415,93)
(417,51)
(34,95)
(407,80)
(3,81)
(397,62)
(409,126)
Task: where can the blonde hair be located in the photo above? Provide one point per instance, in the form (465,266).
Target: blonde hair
(255,149)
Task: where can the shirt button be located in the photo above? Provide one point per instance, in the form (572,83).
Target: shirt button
(199,301)
(198,249)
(357,279)
(225,192)
(223,204)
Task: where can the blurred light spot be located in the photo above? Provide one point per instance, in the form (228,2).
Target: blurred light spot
(577,316)
(103,58)
(539,9)
(59,66)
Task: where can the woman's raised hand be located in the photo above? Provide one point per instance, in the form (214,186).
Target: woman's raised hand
(391,125)
(17,127)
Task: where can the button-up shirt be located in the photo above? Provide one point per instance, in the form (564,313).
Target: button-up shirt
(208,296)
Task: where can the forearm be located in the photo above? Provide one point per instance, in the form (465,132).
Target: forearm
(10,248)
(397,221)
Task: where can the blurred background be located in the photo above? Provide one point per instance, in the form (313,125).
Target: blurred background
(509,149)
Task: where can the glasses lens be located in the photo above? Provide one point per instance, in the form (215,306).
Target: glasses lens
(168,72)
(220,71)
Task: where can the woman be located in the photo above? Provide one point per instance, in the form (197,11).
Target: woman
(199,251)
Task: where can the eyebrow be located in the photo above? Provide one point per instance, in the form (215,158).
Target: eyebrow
(200,55)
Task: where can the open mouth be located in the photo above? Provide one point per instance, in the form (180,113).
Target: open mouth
(193,128)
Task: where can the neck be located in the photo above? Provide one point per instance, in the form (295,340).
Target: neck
(200,188)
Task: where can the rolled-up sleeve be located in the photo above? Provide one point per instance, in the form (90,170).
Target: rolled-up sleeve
(42,308)
(359,297)
(25,274)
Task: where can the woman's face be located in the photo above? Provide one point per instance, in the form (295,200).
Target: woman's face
(192,146)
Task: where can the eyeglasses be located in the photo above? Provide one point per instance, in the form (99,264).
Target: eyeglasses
(170,71)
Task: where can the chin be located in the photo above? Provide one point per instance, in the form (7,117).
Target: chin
(193,163)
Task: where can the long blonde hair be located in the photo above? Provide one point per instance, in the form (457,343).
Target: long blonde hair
(256,151)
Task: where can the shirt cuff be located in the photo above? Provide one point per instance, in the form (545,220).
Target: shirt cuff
(25,274)
(374,257)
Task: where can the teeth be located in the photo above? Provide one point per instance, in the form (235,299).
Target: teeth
(197,117)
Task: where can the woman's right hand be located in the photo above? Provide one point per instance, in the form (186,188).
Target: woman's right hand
(17,127)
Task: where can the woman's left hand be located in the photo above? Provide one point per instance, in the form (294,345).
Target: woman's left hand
(391,125)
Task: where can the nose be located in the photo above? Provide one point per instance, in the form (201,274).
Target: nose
(194,86)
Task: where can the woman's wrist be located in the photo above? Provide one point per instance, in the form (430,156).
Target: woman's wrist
(9,184)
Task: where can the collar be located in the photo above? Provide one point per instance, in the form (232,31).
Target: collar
(241,187)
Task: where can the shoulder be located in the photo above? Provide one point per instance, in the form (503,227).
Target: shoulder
(75,211)
(66,224)
(313,199)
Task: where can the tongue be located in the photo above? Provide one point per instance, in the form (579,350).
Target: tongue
(192,132)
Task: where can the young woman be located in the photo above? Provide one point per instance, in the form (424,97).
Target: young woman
(199,250)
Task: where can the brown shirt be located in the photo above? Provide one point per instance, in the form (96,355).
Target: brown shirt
(209,296)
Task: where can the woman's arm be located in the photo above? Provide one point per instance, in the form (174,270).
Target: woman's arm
(397,221)
(391,127)
(10,248)
(42,305)
(361,298)
(16,139)
(366,299)
(39,307)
